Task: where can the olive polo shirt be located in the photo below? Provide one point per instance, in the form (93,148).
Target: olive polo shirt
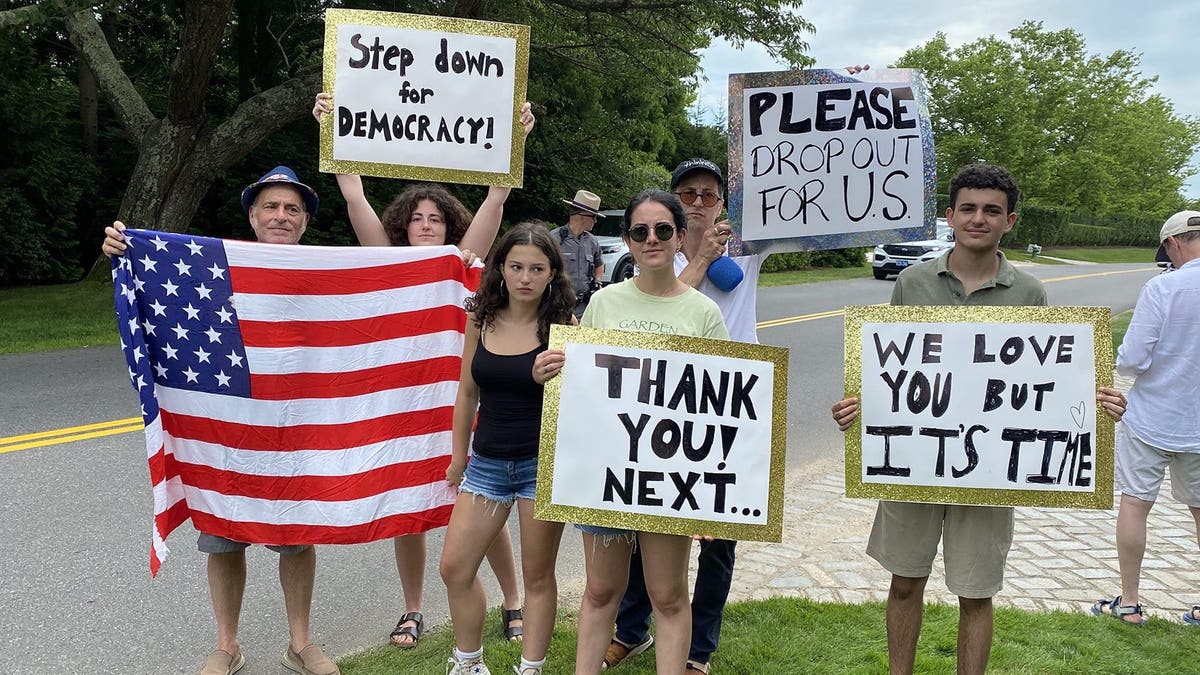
(932,283)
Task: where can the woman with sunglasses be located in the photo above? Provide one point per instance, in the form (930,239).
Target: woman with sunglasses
(653,301)
(425,214)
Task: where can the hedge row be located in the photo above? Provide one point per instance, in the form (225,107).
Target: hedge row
(798,260)
(1052,226)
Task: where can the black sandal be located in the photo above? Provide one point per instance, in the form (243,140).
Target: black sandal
(512,633)
(413,632)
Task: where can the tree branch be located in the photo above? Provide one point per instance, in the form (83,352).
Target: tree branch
(203,26)
(111,79)
(38,12)
(259,117)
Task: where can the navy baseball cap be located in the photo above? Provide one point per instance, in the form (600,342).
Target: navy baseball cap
(280,175)
(696,164)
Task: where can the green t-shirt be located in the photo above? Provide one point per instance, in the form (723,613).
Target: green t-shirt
(932,283)
(623,307)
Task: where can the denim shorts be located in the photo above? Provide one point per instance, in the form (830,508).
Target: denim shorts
(500,480)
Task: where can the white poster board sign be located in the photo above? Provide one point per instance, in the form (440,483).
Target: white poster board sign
(673,437)
(995,409)
(424,97)
(820,159)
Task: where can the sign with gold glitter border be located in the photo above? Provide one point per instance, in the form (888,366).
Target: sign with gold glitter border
(819,159)
(424,97)
(664,433)
(980,405)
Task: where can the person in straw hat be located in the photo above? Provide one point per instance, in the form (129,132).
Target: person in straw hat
(580,248)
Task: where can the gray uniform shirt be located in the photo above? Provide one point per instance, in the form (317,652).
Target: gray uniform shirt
(582,255)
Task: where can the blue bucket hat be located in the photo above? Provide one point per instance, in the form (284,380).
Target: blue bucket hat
(284,175)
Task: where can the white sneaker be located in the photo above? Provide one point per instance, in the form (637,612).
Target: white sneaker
(529,670)
(468,667)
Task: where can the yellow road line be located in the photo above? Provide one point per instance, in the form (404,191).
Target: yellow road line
(70,430)
(1094,274)
(68,439)
(774,323)
(129,424)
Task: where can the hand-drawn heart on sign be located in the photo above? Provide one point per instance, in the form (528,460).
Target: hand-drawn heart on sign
(1078,414)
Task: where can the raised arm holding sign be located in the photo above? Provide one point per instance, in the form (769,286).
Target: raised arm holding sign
(426,104)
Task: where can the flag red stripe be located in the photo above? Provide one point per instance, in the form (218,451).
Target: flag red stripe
(340,488)
(342,281)
(352,331)
(287,535)
(308,436)
(176,515)
(158,466)
(355,382)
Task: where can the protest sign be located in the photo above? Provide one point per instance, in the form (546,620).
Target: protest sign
(664,433)
(424,97)
(980,405)
(819,159)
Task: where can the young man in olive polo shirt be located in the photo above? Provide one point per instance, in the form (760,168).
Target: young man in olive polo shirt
(975,539)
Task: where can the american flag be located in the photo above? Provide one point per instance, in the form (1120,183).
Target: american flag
(293,394)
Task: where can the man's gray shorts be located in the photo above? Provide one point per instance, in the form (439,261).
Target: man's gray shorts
(209,543)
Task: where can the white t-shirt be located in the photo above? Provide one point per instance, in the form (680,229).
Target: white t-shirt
(739,306)
(1162,349)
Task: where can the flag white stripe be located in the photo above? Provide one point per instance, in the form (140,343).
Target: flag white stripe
(400,501)
(277,308)
(289,360)
(342,462)
(272,256)
(344,410)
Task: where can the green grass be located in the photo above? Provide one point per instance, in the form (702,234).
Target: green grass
(1120,323)
(1098,254)
(799,636)
(40,318)
(812,275)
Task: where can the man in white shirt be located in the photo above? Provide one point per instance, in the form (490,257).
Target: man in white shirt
(1161,426)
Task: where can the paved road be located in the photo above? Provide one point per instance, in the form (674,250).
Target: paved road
(76,517)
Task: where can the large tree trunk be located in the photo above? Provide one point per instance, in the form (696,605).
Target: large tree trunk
(180,155)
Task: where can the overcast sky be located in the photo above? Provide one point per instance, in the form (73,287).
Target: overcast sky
(1165,32)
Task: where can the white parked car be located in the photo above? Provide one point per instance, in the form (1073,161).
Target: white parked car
(893,258)
(618,263)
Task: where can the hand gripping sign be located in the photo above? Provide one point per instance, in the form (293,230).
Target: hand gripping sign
(664,433)
(980,405)
(424,97)
(819,159)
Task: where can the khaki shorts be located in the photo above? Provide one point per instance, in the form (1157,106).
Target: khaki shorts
(975,544)
(1141,467)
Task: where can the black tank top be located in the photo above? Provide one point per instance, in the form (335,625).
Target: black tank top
(510,404)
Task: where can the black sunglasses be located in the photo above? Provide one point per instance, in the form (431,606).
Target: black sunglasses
(663,231)
(708,199)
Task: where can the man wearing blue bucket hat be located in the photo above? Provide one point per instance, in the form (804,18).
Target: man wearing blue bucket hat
(279,208)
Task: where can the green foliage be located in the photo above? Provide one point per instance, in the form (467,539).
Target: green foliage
(611,84)
(839,257)
(45,178)
(1078,130)
(783,262)
(1038,224)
